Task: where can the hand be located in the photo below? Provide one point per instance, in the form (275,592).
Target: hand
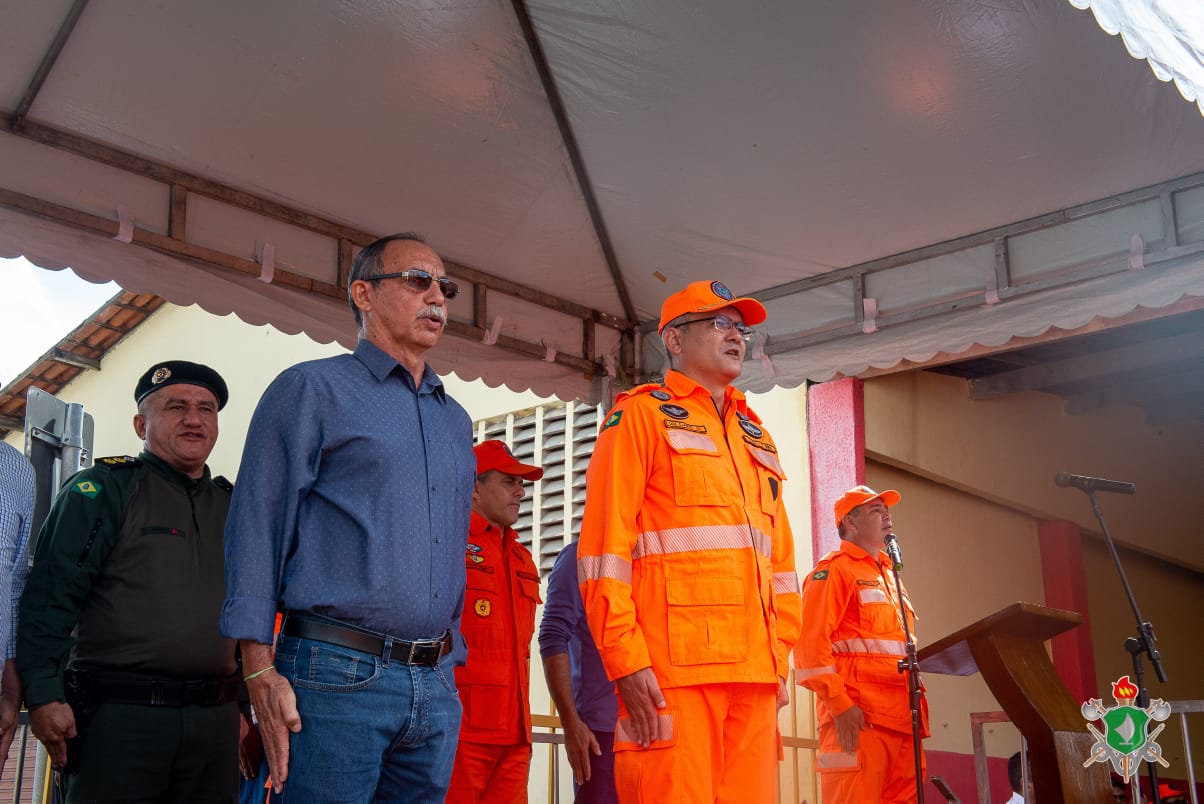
(250,748)
(275,707)
(580,742)
(642,696)
(54,724)
(849,724)
(783,694)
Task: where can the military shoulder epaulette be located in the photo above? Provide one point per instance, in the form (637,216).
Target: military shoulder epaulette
(119,462)
(223,484)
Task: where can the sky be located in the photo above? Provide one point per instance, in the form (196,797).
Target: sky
(37,308)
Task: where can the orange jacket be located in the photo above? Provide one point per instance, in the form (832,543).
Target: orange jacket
(686,557)
(853,639)
(498,623)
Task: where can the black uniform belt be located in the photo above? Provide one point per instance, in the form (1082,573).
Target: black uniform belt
(88,688)
(425,652)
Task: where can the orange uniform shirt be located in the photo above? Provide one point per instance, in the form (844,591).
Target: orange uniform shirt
(852,639)
(686,557)
(498,623)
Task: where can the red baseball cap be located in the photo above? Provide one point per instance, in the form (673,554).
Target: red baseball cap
(860,495)
(705,296)
(495,455)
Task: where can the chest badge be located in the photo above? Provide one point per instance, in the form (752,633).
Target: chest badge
(482,607)
(477,559)
(663,396)
(474,548)
(676,411)
(751,429)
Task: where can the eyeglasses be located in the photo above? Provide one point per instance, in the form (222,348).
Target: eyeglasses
(420,281)
(723,323)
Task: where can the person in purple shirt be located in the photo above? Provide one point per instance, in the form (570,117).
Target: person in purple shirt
(584,696)
(351,517)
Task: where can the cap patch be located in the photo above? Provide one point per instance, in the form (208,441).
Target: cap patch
(676,411)
(161,374)
(720,290)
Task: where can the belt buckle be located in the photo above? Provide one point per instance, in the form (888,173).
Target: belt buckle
(413,650)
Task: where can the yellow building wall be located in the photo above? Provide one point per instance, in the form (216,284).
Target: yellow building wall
(976,478)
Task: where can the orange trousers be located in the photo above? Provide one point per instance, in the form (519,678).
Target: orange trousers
(881,771)
(717,743)
(484,774)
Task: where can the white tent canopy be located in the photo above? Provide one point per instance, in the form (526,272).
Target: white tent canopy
(895,180)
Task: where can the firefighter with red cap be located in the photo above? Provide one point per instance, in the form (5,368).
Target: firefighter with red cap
(848,655)
(687,566)
(494,754)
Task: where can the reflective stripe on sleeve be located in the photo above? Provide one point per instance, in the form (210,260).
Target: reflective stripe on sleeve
(607,565)
(785,583)
(888,647)
(701,537)
(807,672)
(836,759)
(873,596)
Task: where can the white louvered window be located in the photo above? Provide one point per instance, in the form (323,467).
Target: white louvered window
(559,437)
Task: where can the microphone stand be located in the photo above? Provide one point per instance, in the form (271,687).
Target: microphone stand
(1143,643)
(915,688)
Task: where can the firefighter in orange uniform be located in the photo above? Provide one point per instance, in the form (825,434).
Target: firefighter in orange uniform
(849,656)
(494,754)
(687,567)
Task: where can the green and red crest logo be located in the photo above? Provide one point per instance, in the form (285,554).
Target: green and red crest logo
(1126,740)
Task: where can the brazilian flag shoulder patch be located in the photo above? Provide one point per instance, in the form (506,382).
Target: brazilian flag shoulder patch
(820,575)
(88,488)
(612,420)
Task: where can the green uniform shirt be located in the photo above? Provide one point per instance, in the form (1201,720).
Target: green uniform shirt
(128,576)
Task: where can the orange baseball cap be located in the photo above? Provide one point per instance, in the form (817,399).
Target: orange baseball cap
(495,455)
(704,296)
(860,496)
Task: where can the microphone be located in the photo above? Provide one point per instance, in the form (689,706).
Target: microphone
(1065,479)
(892,551)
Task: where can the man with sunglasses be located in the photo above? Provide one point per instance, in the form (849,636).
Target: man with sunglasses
(687,566)
(351,517)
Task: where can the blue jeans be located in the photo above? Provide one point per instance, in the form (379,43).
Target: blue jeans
(370,731)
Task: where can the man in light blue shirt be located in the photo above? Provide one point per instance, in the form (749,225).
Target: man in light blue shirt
(17,494)
(350,515)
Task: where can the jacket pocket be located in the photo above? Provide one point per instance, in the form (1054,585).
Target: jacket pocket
(697,468)
(706,620)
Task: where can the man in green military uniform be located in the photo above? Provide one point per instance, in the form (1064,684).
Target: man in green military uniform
(128,683)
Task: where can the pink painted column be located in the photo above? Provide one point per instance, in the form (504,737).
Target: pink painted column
(1066,588)
(836,444)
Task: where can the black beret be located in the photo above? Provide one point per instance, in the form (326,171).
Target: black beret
(173,372)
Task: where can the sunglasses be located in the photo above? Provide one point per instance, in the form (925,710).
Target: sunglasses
(724,324)
(420,281)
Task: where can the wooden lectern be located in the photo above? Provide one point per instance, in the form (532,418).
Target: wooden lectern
(1008,648)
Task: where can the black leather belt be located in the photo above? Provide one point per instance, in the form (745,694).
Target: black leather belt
(425,652)
(89,688)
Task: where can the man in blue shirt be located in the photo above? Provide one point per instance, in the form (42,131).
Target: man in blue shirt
(584,696)
(16,513)
(351,517)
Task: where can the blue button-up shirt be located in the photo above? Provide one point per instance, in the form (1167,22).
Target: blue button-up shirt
(352,501)
(16,514)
